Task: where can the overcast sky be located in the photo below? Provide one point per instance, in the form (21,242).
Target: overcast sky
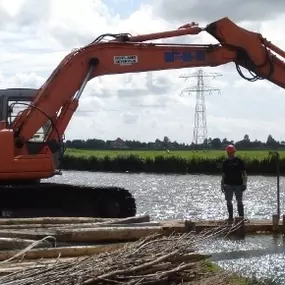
(36,34)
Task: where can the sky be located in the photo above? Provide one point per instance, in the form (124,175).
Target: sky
(36,35)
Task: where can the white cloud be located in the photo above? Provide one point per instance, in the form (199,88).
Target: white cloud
(254,10)
(36,35)
(130,118)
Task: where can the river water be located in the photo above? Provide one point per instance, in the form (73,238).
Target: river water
(199,197)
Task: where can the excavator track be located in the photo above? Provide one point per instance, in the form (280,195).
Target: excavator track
(58,200)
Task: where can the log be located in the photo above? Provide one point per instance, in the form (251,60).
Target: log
(16,243)
(73,251)
(70,226)
(71,220)
(132,225)
(106,234)
(107,225)
(86,234)
(34,226)
(131,220)
(52,220)
(25,234)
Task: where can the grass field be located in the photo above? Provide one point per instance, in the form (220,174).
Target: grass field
(257,161)
(186,154)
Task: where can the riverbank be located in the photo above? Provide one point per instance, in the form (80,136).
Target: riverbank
(178,162)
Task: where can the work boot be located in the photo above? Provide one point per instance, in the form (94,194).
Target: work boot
(240,209)
(230,212)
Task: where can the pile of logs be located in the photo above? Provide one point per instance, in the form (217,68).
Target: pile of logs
(153,260)
(93,251)
(69,237)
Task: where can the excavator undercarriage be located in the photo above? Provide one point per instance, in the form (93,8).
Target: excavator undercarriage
(63,200)
(38,198)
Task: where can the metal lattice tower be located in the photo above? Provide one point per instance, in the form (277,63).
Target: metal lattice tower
(200,130)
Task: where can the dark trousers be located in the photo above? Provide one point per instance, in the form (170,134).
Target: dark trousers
(230,190)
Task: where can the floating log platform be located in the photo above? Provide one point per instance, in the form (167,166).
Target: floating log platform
(37,243)
(74,237)
(239,226)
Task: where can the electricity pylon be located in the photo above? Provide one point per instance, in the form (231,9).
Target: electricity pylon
(200,130)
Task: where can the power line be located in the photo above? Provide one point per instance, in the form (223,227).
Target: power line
(120,110)
(200,129)
(141,107)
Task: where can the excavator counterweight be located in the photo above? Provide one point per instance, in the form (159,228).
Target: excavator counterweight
(25,162)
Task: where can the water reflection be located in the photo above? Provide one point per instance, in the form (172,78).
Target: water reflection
(269,266)
(260,256)
(184,196)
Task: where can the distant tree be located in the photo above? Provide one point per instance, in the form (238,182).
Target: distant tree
(271,142)
(216,143)
(246,138)
(166,141)
(209,143)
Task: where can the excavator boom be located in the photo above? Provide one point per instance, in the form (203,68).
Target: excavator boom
(127,54)
(57,100)
(112,58)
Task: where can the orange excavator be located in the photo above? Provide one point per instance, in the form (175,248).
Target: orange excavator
(25,161)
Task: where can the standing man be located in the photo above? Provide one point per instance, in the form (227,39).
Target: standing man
(234,181)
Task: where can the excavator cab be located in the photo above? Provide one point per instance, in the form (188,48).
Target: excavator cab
(14,101)
(14,96)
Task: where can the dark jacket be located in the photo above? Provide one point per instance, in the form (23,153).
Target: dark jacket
(232,169)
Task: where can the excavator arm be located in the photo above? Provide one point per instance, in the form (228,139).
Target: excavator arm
(109,58)
(58,98)
(127,54)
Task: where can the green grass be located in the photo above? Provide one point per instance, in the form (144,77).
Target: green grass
(206,162)
(186,154)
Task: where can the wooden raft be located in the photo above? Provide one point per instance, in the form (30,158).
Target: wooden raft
(49,238)
(240,227)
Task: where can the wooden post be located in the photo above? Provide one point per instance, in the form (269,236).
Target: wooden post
(278,183)
(239,224)
(275,223)
(283,225)
(276,157)
(189,226)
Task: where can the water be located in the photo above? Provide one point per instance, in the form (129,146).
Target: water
(199,197)
(260,256)
(184,196)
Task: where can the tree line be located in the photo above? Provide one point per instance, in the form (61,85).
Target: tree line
(166,143)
